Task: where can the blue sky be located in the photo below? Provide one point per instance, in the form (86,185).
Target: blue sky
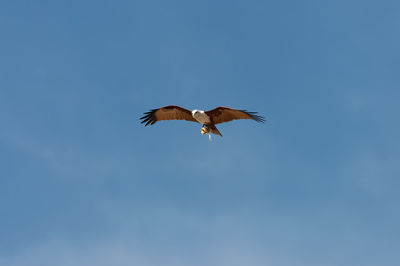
(84,183)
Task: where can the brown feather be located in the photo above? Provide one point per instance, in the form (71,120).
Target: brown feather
(170,112)
(225,114)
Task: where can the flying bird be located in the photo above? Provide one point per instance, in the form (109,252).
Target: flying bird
(207,118)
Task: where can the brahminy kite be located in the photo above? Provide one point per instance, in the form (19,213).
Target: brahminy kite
(207,118)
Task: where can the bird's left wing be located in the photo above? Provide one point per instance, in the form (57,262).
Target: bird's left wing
(225,114)
(170,112)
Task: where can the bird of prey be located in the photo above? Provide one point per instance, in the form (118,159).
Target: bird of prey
(207,118)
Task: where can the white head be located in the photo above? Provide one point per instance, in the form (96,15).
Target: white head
(195,113)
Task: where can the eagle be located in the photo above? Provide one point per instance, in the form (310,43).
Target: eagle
(207,118)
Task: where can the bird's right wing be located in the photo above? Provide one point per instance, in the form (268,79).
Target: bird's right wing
(170,112)
(225,114)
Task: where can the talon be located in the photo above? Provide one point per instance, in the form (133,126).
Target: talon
(204,130)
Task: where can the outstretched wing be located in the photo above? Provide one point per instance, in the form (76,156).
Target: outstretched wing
(225,114)
(170,112)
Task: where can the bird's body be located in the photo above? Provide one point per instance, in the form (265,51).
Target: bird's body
(207,118)
(201,117)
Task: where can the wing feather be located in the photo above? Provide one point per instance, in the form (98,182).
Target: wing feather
(170,112)
(225,114)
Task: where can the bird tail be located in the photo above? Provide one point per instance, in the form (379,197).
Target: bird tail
(214,130)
